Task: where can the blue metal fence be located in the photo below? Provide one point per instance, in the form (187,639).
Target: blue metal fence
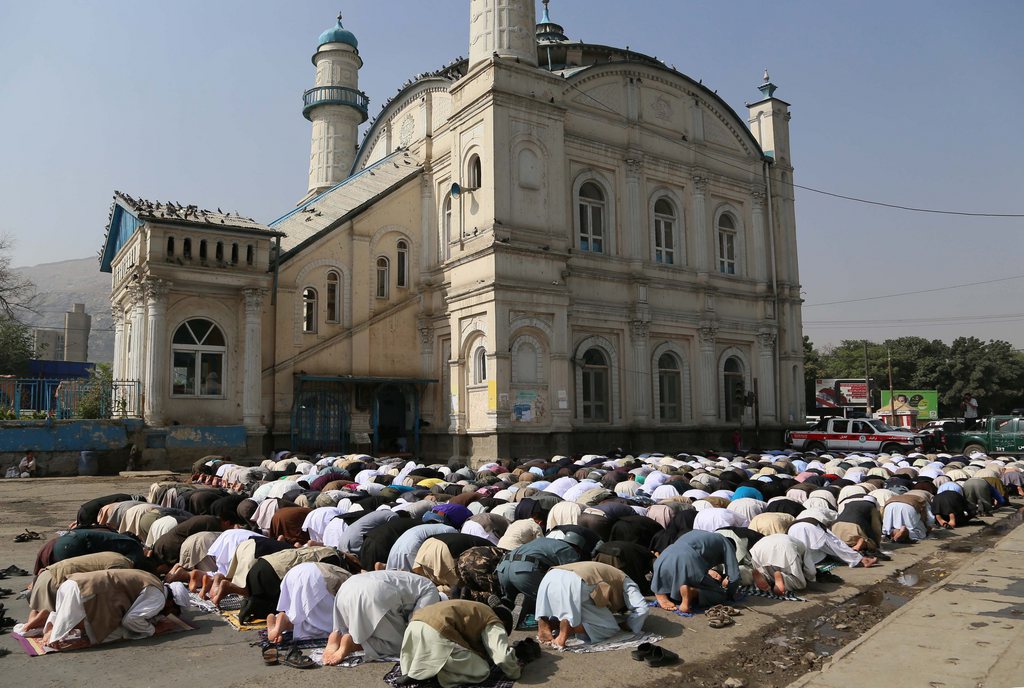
(26,398)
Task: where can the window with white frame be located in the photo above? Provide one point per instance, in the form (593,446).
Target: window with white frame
(732,386)
(444,249)
(309,299)
(592,211)
(333,297)
(474,175)
(670,386)
(383,277)
(726,244)
(402,264)
(664,232)
(197,359)
(595,393)
(479,365)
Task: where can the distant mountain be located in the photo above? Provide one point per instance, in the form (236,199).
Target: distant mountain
(59,285)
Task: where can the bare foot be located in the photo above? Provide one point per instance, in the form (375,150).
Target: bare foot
(868,562)
(544,634)
(780,585)
(665,603)
(339,650)
(760,582)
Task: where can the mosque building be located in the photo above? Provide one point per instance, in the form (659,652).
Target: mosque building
(549,247)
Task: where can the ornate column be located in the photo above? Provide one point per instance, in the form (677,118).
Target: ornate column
(426,332)
(117,313)
(761,256)
(634,210)
(707,374)
(700,222)
(766,373)
(641,374)
(157,371)
(252,370)
(136,311)
(429,238)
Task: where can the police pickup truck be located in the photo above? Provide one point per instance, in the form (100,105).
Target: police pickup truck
(852,435)
(992,435)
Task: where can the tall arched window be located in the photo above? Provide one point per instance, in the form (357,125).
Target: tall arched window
(402,264)
(479,365)
(474,175)
(670,387)
(219,251)
(664,232)
(309,310)
(186,249)
(592,218)
(383,277)
(202,249)
(595,386)
(250,255)
(333,297)
(444,248)
(732,385)
(197,359)
(170,247)
(234,254)
(727,244)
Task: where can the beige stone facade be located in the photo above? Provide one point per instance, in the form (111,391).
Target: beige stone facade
(524,260)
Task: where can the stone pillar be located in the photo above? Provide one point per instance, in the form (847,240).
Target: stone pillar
(502,28)
(766,374)
(641,373)
(136,314)
(426,331)
(252,370)
(707,373)
(700,222)
(429,237)
(761,253)
(157,370)
(634,210)
(117,313)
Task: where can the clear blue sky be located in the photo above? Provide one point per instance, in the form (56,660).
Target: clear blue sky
(914,102)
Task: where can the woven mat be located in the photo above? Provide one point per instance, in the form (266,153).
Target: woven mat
(229,603)
(315,647)
(622,641)
(496,680)
(34,647)
(752,591)
(232,618)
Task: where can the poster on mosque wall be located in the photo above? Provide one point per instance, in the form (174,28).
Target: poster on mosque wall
(528,406)
(836,393)
(924,401)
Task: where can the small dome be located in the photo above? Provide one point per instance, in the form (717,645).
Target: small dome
(338,34)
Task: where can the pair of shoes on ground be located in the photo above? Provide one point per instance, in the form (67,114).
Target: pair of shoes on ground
(654,655)
(12,571)
(27,536)
(294,658)
(720,616)
(527,650)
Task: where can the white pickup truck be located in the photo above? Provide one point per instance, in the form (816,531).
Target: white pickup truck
(852,435)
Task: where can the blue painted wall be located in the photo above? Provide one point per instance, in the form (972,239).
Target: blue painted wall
(200,436)
(63,436)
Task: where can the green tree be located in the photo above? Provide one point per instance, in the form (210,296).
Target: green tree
(15,347)
(95,399)
(993,371)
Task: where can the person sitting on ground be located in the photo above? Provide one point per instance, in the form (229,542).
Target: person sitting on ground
(859,524)
(371,612)
(906,518)
(522,570)
(27,465)
(306,605)
(110,605)
(685,577)
(950,508)
(43,597)
(981,496)
(457,642)
(782,564)
(583,598)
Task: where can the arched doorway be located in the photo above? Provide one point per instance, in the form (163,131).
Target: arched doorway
(732,374)
(391,425)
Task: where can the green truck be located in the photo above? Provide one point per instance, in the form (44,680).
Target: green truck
(992,435)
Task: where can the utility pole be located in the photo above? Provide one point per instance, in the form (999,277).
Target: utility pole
(892,392)
(867,381)
(757,416)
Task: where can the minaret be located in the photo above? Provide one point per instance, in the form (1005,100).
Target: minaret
(506,28)
(336,107)
(769,122)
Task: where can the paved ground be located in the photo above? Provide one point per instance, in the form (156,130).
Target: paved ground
(218,655)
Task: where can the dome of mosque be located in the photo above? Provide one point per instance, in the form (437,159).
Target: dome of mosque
(338,34)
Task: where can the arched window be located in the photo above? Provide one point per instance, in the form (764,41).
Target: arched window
(309,310)
(479,365)
(526,363)
(592,218)
(474,173)
(202,249)
(383,277)
(595,386)
(402,265)
(732,384)
(664,232)
(727,244)
(197,359)
(250,255)
(219,251)
(670,386)
(333,297)
(170,247)
(186,249)
(444,248)
(234,254)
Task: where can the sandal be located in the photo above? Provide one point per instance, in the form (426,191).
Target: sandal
(13,570)
(642,651)
(296,660)
(721,621)
(270,656)
(660,657)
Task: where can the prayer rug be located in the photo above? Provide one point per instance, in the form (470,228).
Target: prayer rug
(826,567)
(754,592)
(496,680)
(678,612)
(622,641)
(230,602)
(315,650)
(34,647)
(232,618)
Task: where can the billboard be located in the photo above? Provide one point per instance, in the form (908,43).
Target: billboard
(840,393)
(926,401)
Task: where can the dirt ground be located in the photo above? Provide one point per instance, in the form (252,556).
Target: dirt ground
(771,644)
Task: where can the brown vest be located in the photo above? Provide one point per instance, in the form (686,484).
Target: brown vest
(287,559)
(608,583)
(460,621)
(86,563)
(108,595)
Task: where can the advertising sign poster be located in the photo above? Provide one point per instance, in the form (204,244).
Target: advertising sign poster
(838,393)
(926,401)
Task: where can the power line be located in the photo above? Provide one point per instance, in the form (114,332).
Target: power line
(700,151)
(915,321)
(919,291)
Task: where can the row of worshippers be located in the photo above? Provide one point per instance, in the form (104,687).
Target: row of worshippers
(292,533)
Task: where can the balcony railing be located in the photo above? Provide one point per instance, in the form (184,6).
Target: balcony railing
(335,95)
